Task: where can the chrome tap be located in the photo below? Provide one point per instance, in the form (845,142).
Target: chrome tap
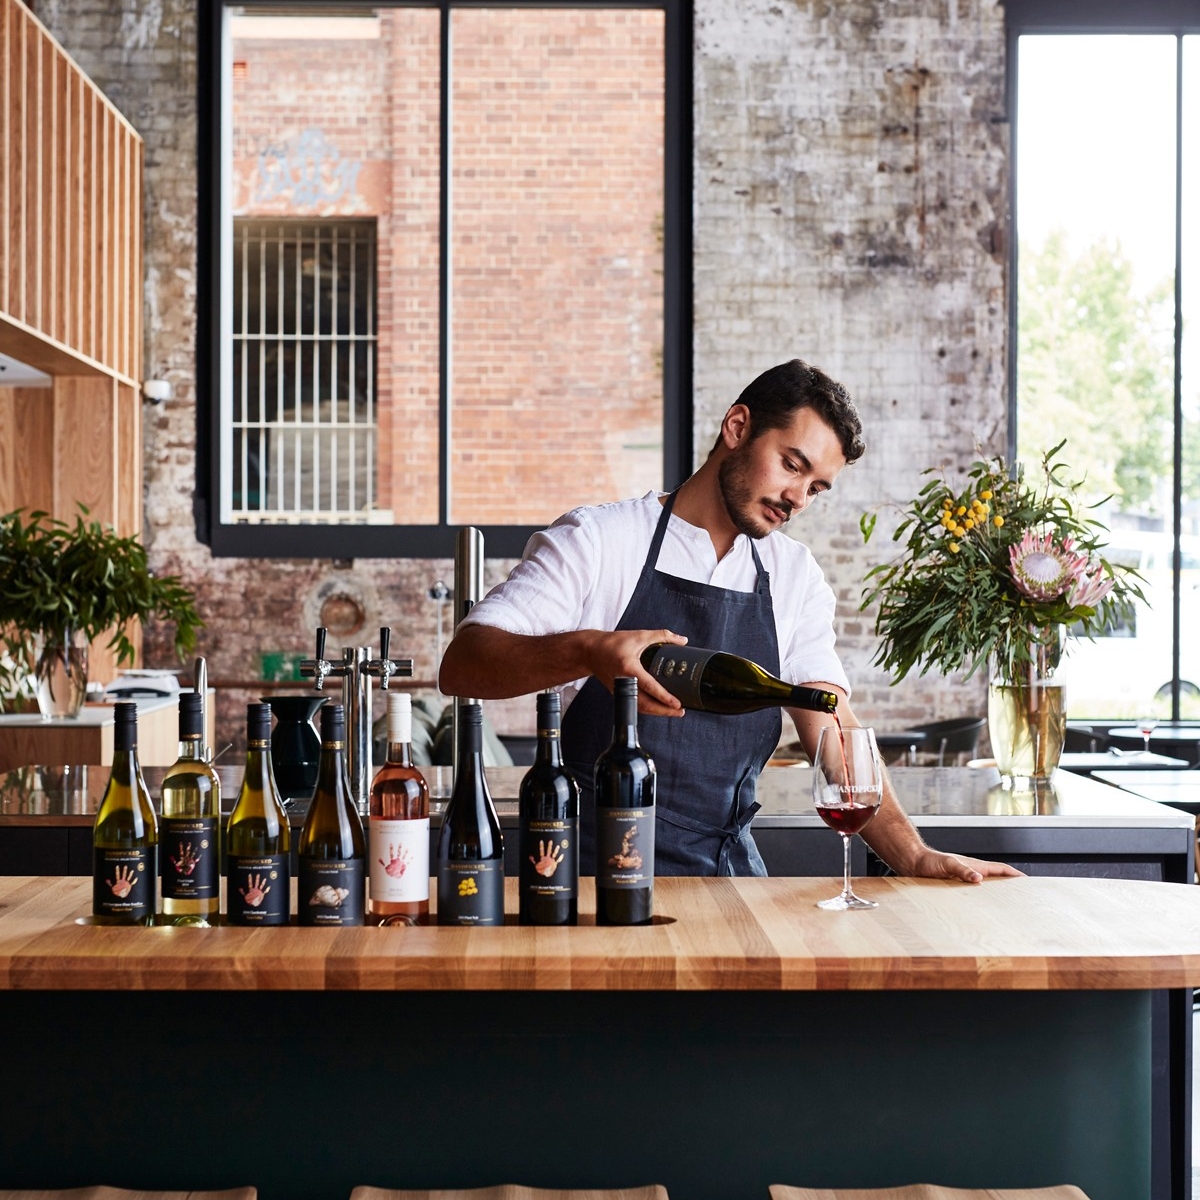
(384,667)
(355,671)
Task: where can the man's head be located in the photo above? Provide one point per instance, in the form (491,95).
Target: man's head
(782,444)
(775,396)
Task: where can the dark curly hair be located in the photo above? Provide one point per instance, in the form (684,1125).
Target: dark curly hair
(781,391)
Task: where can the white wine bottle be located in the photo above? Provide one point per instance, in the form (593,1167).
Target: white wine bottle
(258,843)
(470,855)
(190,829)
(398,827)
(716,682)
(625,783)
(332,849)
(548,825)
(125,836)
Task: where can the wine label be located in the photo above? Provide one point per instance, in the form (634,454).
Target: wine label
(399,858)
(624,847)
(123,883)
(190,858)
(678,669)
(259,891)
(549,863)
(332,893)
(471,893)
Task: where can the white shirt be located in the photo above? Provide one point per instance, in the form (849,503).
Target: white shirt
(581,572)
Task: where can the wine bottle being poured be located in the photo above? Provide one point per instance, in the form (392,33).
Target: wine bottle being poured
(716,682)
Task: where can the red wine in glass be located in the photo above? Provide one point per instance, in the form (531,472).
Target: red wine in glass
(847,790)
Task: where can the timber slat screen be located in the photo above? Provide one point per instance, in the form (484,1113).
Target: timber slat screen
(70,211)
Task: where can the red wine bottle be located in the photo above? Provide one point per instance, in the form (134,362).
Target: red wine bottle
(716,682)
(548,820)
(625,789)
(470,853)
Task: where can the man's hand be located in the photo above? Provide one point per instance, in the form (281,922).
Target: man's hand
(620,653)
(933,864)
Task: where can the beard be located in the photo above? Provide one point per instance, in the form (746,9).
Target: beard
(740,502)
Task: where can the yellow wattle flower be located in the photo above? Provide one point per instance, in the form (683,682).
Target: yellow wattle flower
(953,547)
(997,521)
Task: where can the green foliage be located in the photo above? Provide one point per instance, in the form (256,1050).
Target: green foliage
(1095,361)
(950,600)
(56,579)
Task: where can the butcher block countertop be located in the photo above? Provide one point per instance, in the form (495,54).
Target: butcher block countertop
(709,934)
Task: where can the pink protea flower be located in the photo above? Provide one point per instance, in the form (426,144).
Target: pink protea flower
(1091,587)
(1043,571)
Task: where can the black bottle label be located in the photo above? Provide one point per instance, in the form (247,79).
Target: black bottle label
(332,893)
(549,865)
(471,893)
(123,883)
(678,669)
(191,866)
(624,847)
(259,891)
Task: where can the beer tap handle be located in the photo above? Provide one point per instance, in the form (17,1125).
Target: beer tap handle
(385,666)
(318,667)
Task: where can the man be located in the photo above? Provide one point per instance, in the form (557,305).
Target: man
(708,565)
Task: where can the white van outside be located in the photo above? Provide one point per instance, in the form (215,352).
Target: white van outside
(1127,672)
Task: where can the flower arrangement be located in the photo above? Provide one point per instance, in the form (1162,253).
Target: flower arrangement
(996,570)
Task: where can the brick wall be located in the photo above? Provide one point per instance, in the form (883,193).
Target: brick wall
(849,204)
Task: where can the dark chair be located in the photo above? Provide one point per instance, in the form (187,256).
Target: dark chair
(955,737)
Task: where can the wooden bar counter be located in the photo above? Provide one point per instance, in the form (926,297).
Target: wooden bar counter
(990,1036)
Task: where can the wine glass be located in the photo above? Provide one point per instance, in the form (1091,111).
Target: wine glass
(1146,726)
(847,788)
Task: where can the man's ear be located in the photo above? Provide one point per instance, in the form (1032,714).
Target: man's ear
(735,428)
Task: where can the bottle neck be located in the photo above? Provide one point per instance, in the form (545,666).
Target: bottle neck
(258,764)
(191,750)
(124,765)
(399,754)
(549,747)
(331,773)
(625,721)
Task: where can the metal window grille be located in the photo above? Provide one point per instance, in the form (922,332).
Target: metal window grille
(303,420)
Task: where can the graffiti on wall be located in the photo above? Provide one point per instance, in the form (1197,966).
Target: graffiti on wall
(307,172)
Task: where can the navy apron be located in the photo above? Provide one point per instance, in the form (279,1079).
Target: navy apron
(707,764)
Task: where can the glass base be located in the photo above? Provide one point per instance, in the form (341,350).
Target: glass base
(844,902)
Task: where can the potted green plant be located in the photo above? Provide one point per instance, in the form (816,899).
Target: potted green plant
(993,574)
(61,587)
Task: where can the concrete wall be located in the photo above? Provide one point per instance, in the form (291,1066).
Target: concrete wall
(850,185)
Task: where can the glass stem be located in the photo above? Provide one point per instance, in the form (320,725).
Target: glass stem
(845,865)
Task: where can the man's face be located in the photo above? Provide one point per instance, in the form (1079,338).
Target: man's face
(764,480)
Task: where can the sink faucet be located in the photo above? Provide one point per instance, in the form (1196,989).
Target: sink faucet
(356,671)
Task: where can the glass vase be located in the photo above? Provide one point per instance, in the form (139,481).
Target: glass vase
(1027,714)
(60,669)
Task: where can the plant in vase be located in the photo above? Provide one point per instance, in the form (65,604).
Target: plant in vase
(994,574)
(63,586)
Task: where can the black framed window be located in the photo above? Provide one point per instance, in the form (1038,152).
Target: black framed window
(445,260)
(1105,314)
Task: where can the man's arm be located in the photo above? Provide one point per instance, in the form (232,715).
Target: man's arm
(891,834)
(493,664)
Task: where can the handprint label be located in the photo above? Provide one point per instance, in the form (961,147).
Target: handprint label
(471,893)
(123,883)
(259,891)
(190,860)
(399,859)
(548,858)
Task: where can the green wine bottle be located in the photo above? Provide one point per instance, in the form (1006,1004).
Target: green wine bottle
(332,850)
(259,840)
(190,829)
(125,836)
(716,682)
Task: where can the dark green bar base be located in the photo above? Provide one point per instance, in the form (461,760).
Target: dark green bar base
(714,1095)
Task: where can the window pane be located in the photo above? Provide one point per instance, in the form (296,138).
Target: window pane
(1189,634)
(557,268)
(1095,355)
(335,170)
